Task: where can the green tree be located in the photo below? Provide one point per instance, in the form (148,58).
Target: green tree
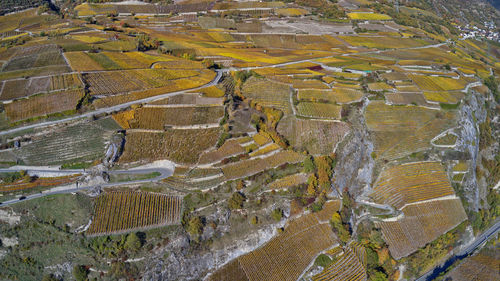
(123,270)
(340,228)
(195,226)
(312,184)
(492,84)
(378,276)
(80,272)
(144,43)
(133,243)
(308,164)
(236,201)
(277,214)
(49,277)
(254,220)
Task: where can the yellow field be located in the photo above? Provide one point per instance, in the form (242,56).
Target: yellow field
(291,12)
(368,16)
(289,181)
(437,83)
(410,183)
(88,39)
(402,130)
(444,97)
(379,86)
(383,42)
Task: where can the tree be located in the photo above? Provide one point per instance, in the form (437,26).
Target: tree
(254,220)
(240,185)
(277,214)
(312,183)
(324,165)
(120,270)
(49,277)
(80,272)
(195,226)
(236,201)
(492,84)
(340,228)
(133,242)
(308,164)
(144,43)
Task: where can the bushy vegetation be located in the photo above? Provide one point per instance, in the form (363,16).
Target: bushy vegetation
(492,84)
(236,201)
(428,256)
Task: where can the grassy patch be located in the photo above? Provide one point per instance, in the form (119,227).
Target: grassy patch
(447,106)
(125,178)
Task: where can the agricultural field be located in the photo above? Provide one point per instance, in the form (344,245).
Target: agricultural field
(228,149)
(26,184)
(379,86)
(268,94)
(44,104)
(437,83)
(383,42)
(250,167)
(119,212)
(410,183)
(315,136)
(116,82)
(402,130)
(289,181)
(80,142)
(86,61)
(420,224)
(285,257)
(172,86)
(18,88)
(444,97)
(319,110)
(245,140)
(406,99)
(350,266)
(368,16)
(482,266)
(170,144)
(190,98)
(159,117)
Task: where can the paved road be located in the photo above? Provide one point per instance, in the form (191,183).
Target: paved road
(114,108)
(485,236)
(211,83)
(164,173)
(42,170)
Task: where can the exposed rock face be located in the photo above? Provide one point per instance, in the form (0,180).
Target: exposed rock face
(471,113)
(354,169)
(177,261)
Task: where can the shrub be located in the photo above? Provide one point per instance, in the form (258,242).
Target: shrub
(254,220)
(236,201)
(277,214)
(80,272)
(195,226)
(133,242)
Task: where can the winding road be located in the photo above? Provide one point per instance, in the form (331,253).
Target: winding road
(164,173)
(115,107)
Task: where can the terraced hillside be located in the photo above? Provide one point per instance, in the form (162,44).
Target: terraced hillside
(285,257)
(246,140)
(121,211)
